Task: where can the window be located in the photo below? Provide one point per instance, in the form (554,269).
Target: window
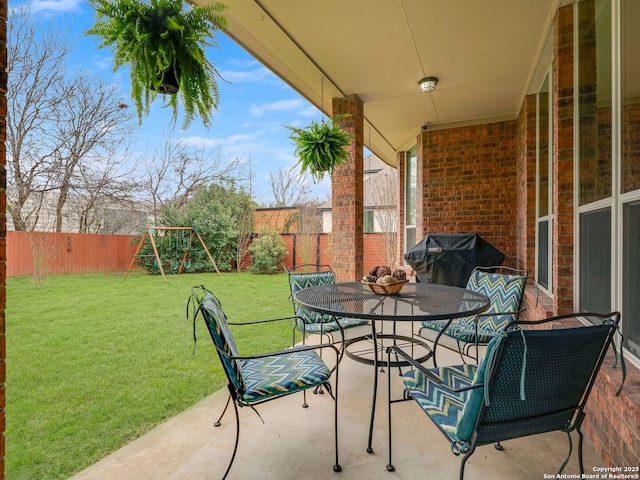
(594,101)
(608,162)
(410,187)
(595,157)
(630,172)
(631,277)
(544,186)
(368,226)
(595,261)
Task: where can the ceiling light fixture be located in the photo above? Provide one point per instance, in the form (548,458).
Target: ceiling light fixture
(428,84)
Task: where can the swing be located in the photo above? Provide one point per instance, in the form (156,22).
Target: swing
(186,259)
(182,248)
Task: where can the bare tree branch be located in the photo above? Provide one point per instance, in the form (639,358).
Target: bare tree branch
(36,62)
(177,170)
(384,192)
(61,128)
(289,188)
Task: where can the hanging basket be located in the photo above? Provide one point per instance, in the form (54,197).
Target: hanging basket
(320,147)
(169,84)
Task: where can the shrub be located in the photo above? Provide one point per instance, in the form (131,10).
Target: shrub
(267,251)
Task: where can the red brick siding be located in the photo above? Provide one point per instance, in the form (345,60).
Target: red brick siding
(563,178)
(613,423)
(526,186)
(469,183)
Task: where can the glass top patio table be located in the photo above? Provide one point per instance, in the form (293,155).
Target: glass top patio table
(415,302)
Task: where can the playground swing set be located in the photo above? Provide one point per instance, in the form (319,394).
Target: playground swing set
(172,263)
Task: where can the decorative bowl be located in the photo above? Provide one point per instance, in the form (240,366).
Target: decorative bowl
(386,288)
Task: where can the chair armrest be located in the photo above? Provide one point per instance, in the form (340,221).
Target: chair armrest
(435,379)
(299,348)
(496,314)
(265,320)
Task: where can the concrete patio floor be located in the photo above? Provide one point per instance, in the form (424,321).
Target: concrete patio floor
(297,443)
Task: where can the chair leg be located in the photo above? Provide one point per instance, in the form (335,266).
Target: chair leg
(580,438)
(390,467)
(219,421)
(464,460)
(337,467)
(235,447)
(498,446)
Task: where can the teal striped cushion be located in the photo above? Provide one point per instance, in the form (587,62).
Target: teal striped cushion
(442,406)
(265,378)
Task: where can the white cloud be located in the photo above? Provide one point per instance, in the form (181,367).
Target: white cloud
(257,75)
(279,106)
(56,5)
(201,141)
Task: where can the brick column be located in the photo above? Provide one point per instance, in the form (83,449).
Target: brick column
(347,197)
(563,177)
(3,224)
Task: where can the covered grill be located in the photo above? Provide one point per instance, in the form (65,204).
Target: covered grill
(449,259)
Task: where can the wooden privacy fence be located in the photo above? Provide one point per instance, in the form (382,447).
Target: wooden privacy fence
(64,253)
(317,246)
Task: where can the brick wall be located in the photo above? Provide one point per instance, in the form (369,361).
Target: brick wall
(526,186)
(467,183)
(563,131)
(613,423)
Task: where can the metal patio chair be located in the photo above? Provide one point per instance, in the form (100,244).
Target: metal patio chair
(504,286)
(256,379)
(314,323)
(529,382)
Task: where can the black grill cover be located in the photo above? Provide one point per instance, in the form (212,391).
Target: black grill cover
(449,259)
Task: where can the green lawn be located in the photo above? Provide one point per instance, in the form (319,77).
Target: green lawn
(94,362)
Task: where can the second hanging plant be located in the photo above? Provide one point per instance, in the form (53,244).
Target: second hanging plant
(320,147)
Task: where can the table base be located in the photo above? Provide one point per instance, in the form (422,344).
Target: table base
(362,350)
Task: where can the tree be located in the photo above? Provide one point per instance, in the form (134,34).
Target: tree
(35,70)
(88,126)
(105,198)
(59,122)
(288,188)
(215,212)
(308,222)
(384,191)
(177,170)
(267,251)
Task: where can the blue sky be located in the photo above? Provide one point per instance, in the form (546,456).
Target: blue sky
(254,106)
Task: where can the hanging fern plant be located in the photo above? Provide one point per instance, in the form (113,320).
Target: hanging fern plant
(163,41)
(320,147)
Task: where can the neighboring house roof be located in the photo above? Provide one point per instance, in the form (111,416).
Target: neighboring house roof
(108,216)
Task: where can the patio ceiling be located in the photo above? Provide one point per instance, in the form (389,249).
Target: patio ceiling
(484,53)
